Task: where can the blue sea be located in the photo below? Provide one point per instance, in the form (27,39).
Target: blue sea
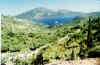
(51,21)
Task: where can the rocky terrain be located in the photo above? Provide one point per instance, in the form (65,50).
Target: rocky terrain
(89,61)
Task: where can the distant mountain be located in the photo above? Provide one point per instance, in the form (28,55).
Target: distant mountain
(43,13)
(48,16)
(84,17)
(36,13)
(94,14)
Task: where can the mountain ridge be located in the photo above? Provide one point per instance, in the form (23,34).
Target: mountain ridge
(49,16)
(45,13)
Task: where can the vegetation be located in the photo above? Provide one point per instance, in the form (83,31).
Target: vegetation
(18,35)
(68,42)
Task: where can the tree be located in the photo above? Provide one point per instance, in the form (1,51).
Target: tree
(39,60)
(89,36)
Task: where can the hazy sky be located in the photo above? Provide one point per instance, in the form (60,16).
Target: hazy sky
(13,7)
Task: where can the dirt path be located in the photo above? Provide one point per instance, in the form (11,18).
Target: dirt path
(90,61)
(66,37)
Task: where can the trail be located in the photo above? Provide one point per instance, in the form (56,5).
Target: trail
(66,37)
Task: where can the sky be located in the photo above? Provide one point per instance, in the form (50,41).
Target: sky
(15,7)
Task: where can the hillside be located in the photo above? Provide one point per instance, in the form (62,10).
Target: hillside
(35,43)
(18,32)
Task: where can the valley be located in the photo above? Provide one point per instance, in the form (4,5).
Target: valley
(45,37)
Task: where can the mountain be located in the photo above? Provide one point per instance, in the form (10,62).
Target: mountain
(84,17)
(48,16)
(36,13)
(95,14)
(44,13)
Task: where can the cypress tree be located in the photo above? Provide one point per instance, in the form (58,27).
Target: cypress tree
(89,36)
